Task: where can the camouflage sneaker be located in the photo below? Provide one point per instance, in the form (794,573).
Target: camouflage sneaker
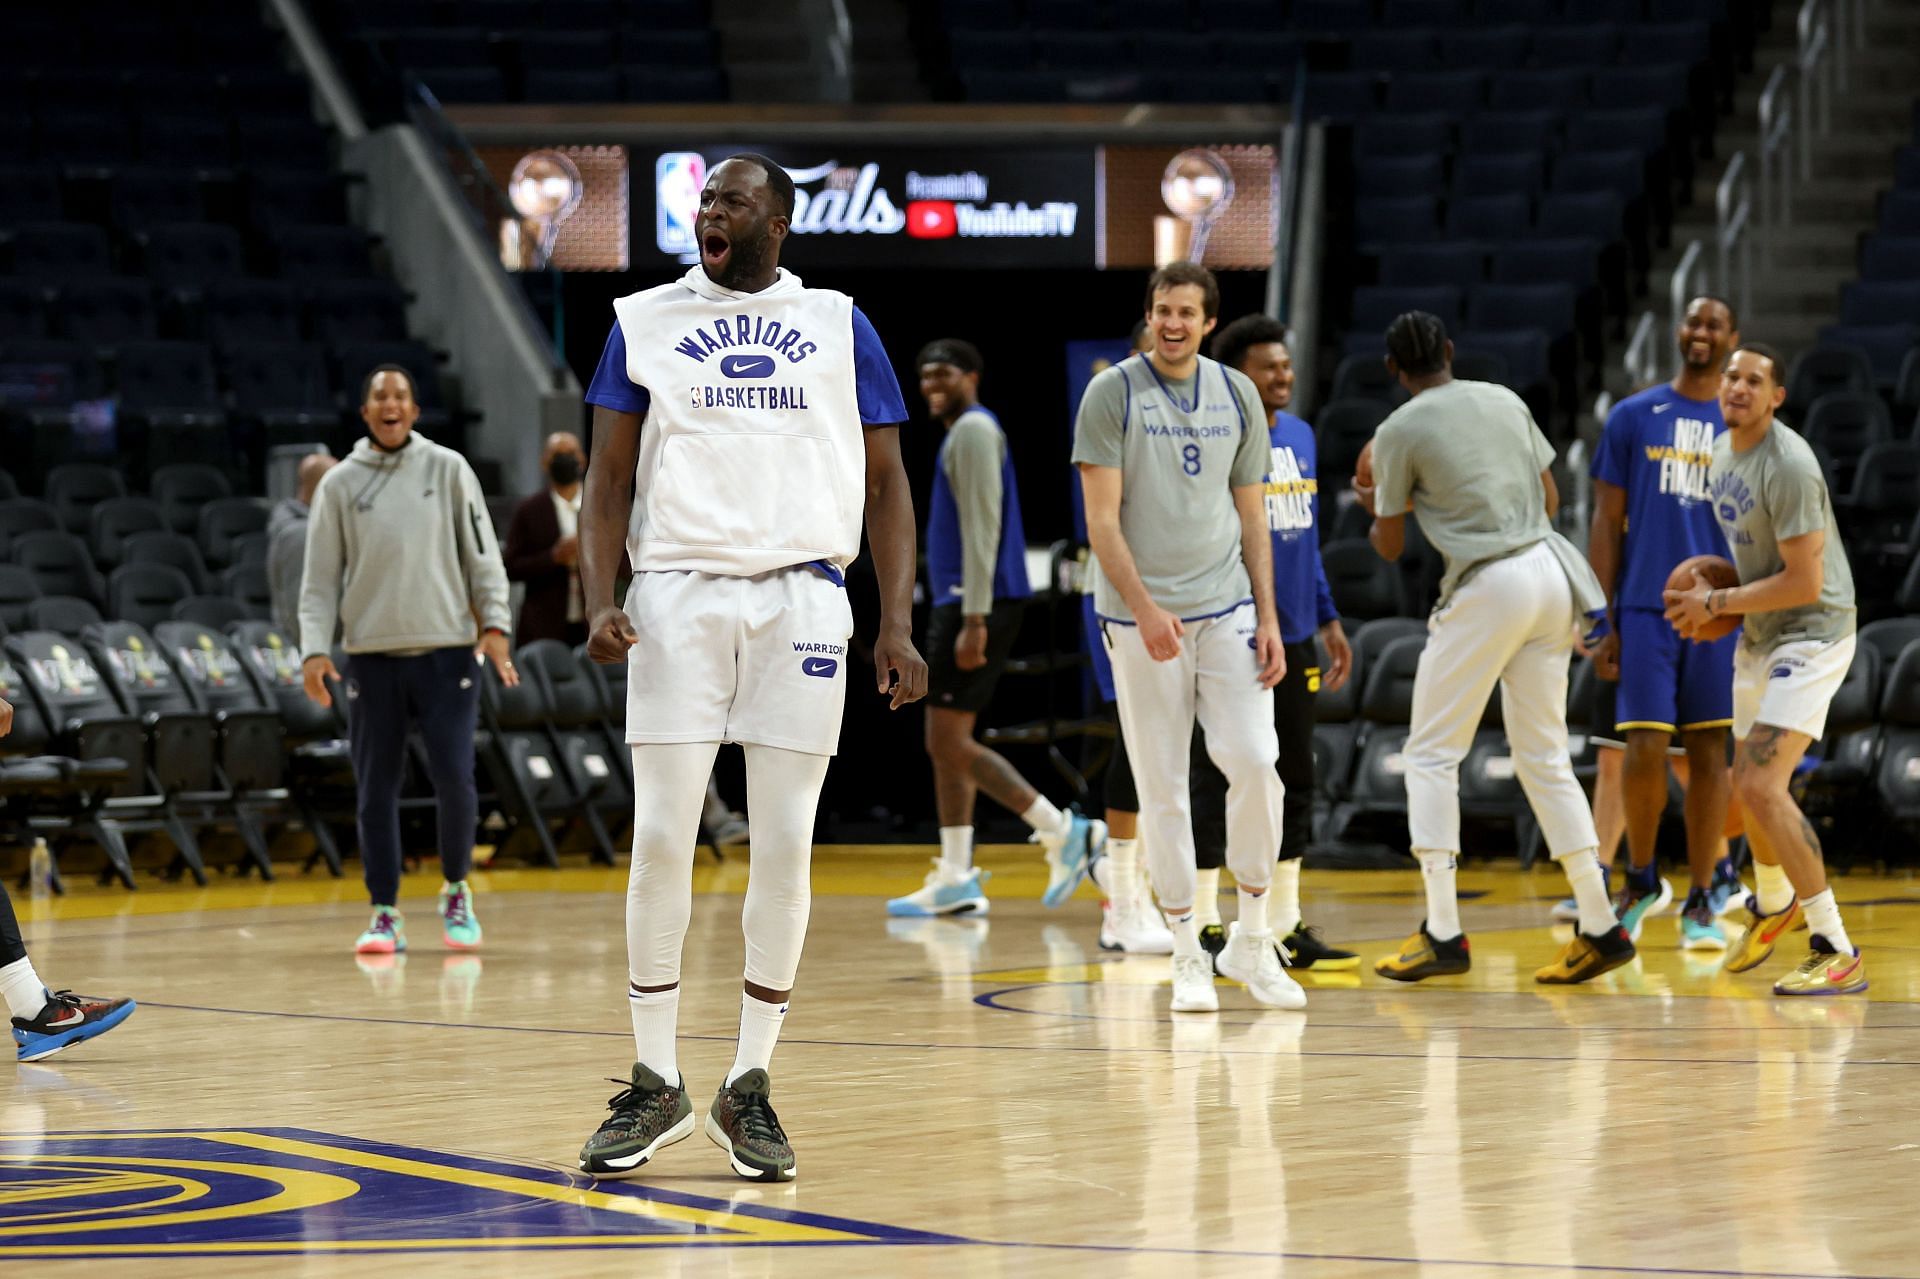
(648,1115)
(743,1124)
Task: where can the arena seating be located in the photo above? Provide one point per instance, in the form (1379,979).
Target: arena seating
(548,51)
(179,280)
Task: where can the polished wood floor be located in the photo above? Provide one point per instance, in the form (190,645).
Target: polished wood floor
(985,1097)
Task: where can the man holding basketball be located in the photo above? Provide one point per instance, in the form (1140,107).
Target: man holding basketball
(1795,599)
(1651,510)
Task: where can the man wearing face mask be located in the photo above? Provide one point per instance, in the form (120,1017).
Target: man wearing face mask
(543,548)
(401,555)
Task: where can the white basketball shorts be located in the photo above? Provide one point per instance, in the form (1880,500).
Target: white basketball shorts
(1789,685)
(759,660)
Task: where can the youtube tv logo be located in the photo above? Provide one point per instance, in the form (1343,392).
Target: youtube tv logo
(932,220)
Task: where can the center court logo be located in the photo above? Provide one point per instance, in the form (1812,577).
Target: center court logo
(747,366)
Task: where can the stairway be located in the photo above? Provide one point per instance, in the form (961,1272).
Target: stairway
(1796,286)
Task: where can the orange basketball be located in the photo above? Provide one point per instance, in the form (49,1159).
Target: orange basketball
(1719,574)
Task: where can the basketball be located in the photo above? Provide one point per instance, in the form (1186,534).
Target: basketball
(1719,574)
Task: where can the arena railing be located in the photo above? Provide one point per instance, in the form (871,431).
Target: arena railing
(1689,281)
(1776,161)
(1733,232)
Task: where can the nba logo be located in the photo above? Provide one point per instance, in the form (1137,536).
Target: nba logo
(677,179)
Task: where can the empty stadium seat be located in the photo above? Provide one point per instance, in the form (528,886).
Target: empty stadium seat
(75,488)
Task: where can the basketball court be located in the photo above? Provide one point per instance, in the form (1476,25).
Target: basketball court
(967,1097)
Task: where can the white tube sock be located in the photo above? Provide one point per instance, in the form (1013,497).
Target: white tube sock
(760,1024)
(1120,870)
(1283,895)
(1443,902)
(1589,884)
(23,990)
(1186,933)
(656,1020)
(1044,817)
(956,851)
(1206,897)
(1771,886)
(1823,918)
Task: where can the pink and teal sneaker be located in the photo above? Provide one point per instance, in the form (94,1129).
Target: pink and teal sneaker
(386,935)
(457,920)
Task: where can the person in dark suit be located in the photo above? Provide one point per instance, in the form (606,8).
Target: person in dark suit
(543,547)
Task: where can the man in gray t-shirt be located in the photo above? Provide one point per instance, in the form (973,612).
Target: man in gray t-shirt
(1467,460)
(1795,599)
(1173,453)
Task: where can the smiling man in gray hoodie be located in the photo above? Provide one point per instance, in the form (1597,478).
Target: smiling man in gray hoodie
(401,554)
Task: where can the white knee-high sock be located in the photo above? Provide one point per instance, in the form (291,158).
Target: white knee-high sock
(1589,884)
(1206,896)
(23,990)
(1253,912)
(783,792)
(1120,870)
(669,784)
(1823,919)
(760,1024)
(1283,896)
(656,1020)
(1443,901)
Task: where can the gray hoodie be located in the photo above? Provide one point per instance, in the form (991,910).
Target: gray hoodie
(401,552)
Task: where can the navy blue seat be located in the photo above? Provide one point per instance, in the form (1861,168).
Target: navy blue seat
(1890,257)
(1376,306)
(1623,173)
(1391,51)
(1510,131)
(1187,52)
(23,310)
(1595,215)
(278,198)
(992,50)
(1407,220)
(1333,16)
(688,84)
(344,311)
(1384,135)
(194,256)
(167,382)
(1386,177)
(1459,265)
(1535,91)
(292,144)
(105,313)
(1524,351)
(61,251)
(84,138)
(250,311)
(1641,129)
(1615,88)
(280,384)
(1884,345)
(558,50)
(544,84)
(1084,50)
(1498,307)
(187,142)
(146,198)
(1487,48)
(1574,262)
(1451,92)
(1342,95)
(1263,51)
(1576,47)
(1880,302)
(1500,173)
(1652,43)
(1489,218)
(321,253)
(26,196)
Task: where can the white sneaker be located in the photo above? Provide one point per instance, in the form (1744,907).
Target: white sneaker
(1251,959)
(1193,985)
(1135,928)
(944,893)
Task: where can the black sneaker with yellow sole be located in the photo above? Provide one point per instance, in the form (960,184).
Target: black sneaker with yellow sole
(1304,948)
(1422,956)
(1585,958)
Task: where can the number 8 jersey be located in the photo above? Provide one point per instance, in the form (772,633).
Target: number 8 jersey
(752,456)
(1182,448)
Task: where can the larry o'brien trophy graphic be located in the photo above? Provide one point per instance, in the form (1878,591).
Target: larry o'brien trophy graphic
(1197,188)
(545,189)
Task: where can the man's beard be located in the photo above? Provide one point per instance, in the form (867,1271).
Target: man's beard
(747,260)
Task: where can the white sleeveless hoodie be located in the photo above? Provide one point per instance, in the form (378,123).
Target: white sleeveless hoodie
(752,456)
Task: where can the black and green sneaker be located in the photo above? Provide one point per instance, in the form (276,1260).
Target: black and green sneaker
(648,1115)
(1305,949)
(1213,940)
(743,1124)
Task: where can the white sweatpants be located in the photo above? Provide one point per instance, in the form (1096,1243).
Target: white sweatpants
(1216,677)
(1511,622)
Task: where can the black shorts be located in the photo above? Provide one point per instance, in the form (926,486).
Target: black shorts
(948,687)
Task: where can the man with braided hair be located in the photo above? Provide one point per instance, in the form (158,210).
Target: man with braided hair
(1468,460)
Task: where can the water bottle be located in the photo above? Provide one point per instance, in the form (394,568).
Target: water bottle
(39,870)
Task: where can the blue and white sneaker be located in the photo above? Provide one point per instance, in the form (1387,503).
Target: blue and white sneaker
(945,894)
(1726,894)
(1565,911)
(1699,930)
(68,1019)
(1070,853)
(1633,908)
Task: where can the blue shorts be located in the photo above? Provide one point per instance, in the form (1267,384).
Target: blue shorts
(1669,683)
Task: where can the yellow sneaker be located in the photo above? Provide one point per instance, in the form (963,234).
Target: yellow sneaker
(1420,957)
(1825,972)
(1585,958)
(1760,934)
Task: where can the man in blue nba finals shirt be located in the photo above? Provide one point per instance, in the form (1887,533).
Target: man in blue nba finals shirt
(1257,346)
(977,571)
(1652,509)
(771,416)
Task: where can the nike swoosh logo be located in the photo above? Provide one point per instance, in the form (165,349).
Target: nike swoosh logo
(1661,408)
(73,1018)
(818,666)
(1783,919)
(746,366)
